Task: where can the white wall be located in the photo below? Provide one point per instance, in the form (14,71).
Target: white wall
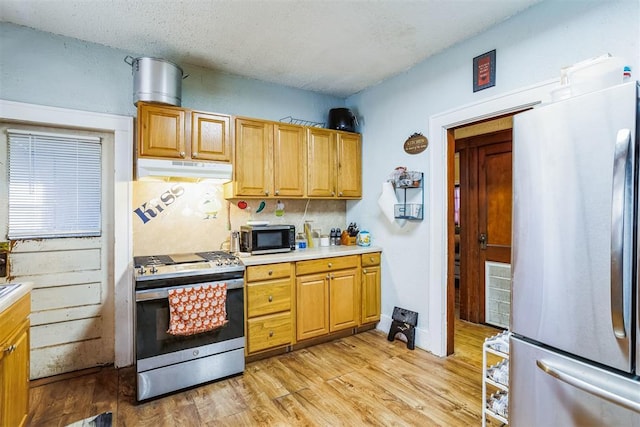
(46,69)
(530,48)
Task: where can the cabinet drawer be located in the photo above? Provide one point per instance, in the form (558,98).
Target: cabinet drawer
(268,271)
(269,331)
(268,297)
(13,316)
(371,259)
(326,264)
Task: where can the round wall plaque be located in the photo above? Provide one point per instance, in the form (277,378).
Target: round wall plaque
(416,143)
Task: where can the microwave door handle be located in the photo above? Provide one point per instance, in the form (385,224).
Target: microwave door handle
(621,166)
(619,392)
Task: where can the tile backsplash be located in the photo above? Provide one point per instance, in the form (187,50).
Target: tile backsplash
(181,217)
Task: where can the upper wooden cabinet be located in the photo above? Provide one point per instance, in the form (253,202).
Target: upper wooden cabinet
(334,164)
(270,160)
(173,132)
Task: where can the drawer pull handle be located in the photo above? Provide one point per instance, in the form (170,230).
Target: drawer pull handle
(270,298)
(270,333)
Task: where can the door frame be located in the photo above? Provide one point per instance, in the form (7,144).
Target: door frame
(441,295)
(122,247)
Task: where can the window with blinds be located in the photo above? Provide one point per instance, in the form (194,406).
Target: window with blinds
(54,185)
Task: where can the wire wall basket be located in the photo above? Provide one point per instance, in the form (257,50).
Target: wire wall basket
(295,121)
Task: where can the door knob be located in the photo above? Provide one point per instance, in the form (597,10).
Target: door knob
(483,241)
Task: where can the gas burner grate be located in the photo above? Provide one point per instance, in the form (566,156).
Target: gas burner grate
(216,255)
(140,261)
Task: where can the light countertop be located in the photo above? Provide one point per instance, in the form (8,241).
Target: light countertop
(7,300)
(309,253)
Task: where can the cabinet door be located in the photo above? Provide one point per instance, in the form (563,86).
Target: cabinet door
(289,160)
(370,294)
(321,163)
(14,379)
(344,307)
(161,131)
(313,306)
(254,154)
(210,139)
(349,174)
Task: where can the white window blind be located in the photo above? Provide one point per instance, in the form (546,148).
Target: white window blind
(54,185)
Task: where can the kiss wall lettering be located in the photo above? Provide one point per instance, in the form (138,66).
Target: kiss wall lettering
(149,210)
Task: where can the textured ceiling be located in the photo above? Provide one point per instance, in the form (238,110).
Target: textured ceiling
(338,47)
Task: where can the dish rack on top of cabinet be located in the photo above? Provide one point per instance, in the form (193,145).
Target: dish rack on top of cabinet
(496,377)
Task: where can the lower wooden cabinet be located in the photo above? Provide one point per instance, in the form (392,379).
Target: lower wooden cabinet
(371,276)
(269,306)
(329,299)
(14,363)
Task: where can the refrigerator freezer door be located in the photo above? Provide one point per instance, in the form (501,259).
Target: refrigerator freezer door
(566,215)
(537,398)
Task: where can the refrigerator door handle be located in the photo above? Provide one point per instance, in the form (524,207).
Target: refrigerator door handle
(621,177)
(621,393)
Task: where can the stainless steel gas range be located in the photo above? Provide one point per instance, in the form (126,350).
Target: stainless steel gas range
(167,362)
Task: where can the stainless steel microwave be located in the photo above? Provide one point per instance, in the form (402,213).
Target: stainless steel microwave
(267,239)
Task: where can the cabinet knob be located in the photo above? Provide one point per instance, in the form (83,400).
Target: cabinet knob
(329,265)
(10,349)
(270,298)
(194,155)
(371,259)
(270,333)
(266,193)
(364,271)
(340,194)
(277,192)
(333,193)
(270,272)
(183,154)
(328,277)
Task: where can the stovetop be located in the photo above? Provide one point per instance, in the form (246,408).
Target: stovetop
(155,267)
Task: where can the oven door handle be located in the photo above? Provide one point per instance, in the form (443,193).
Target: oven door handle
(155,294)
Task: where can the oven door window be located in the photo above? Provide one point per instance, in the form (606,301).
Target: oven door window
(152,323)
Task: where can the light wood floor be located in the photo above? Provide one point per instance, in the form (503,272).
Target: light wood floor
(359,380)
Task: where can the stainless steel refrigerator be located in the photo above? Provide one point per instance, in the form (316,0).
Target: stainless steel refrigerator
(575,348)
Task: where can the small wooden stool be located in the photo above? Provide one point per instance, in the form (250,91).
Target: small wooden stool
(404,322)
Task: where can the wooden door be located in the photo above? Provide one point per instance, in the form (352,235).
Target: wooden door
(344,303)
(370,294)
(312,309)
(210,137)
(321,163)
(14,379)
(485,230)
(349,173)
(254,158)
(161,131)
(289,160)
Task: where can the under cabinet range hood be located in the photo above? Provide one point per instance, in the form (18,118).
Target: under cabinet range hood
(182,170)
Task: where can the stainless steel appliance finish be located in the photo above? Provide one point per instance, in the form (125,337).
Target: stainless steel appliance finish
(267,239)
(574,355)
(166,363)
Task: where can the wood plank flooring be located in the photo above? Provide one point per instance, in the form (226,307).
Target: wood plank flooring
(358,380)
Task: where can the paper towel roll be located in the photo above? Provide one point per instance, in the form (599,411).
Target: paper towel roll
(387,201)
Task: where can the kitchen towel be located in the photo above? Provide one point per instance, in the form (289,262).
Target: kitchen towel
(387,202)
(197,309)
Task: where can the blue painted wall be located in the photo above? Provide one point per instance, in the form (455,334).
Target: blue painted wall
(47,69)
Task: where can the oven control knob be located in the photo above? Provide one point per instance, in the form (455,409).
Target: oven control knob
(154,270)
(196,352)
(219,262)
(142,270)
